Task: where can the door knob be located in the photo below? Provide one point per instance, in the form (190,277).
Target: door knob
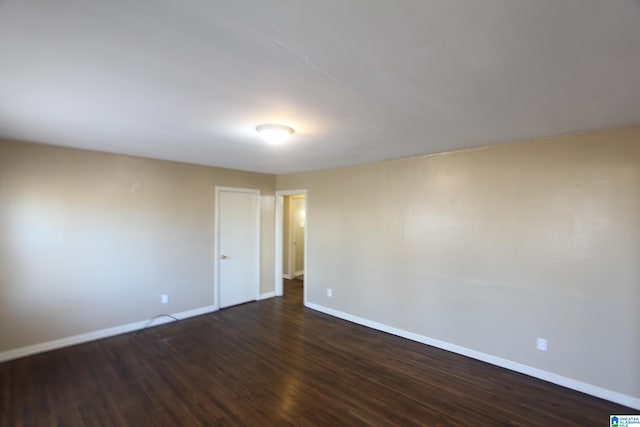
(223,257)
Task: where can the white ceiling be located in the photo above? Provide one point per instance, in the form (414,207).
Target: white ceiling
(359,80)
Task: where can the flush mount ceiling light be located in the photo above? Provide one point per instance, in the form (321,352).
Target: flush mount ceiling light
(274,134)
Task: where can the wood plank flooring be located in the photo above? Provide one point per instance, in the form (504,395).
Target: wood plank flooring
(276,363)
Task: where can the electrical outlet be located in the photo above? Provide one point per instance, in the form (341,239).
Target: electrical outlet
(541,344)
(164,298)
(329,292)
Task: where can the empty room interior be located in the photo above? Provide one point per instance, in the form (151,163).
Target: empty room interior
(365,213)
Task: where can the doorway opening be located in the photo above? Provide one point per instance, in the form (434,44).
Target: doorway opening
(291,241)
(294,213)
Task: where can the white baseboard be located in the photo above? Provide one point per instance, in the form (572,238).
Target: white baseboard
(267,295)
(287,276)
(96,335)
(613,396)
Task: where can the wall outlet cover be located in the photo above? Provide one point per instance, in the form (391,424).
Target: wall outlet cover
(541,344)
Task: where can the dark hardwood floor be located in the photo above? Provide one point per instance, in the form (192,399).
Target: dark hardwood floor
(277,363)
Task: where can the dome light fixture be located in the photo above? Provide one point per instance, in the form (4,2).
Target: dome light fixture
(274,134)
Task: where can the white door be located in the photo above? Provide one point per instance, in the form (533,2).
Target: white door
(238,214)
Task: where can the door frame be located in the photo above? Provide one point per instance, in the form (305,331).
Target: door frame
(280,244)
(216,251)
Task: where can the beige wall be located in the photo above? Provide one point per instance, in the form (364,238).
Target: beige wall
(491,248)
(91,240)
